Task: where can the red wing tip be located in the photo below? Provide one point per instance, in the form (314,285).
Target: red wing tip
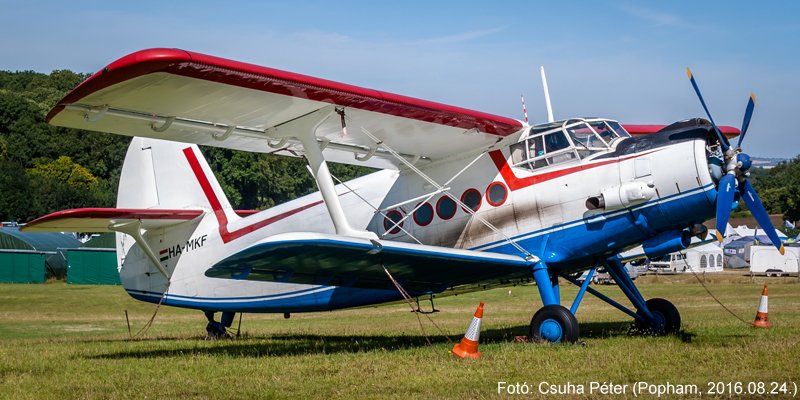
(251,76)
(116,213)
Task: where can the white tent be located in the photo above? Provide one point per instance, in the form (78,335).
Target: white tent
(732,233)
(701,258)
(705,258)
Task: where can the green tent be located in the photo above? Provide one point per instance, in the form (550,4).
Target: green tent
(94,263)
(33,257)
(22,266)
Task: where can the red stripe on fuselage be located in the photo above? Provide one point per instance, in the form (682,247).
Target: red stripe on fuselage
(515,183)
(216,206)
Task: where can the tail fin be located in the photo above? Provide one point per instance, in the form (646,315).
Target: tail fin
(165,174)
(160,174)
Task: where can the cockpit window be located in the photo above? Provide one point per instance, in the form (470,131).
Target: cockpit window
(605,132)
(556,141)
(618,128)
(565,141)
(581,134)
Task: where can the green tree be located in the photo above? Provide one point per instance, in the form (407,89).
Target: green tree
(64,170)
(779,189)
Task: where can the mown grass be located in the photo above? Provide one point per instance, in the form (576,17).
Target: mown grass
(66,341)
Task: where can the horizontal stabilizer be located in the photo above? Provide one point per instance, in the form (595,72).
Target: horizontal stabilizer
(324,259)
(100,219)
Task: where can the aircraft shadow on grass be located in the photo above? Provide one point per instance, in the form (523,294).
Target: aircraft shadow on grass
(305,344)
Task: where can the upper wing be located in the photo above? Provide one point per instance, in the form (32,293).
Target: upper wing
(639,129)
(101,219)
(195,98)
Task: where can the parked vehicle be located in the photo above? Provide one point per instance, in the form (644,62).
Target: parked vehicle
(766,260)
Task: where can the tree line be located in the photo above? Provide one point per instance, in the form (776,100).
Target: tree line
(47,168)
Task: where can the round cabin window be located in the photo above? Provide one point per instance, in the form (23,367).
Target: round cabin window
(496,194)
(392,222)
(472,198)
(445,207)
(424,214)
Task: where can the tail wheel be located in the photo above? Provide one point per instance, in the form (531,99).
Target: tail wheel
(667,319)
(555,324)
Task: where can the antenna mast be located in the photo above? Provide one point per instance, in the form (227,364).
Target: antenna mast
(524,110)
(547,96)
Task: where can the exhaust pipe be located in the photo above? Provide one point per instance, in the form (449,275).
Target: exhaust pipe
(666,242)
(625,195)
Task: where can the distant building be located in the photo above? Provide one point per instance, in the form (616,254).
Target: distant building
(33,257)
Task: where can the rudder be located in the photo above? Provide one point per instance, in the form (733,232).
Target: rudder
(165,174)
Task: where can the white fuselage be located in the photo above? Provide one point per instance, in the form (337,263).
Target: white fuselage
(543,211)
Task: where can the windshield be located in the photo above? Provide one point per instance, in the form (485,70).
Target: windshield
(583,135)
(563,142)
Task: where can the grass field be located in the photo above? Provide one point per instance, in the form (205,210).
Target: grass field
(67,341)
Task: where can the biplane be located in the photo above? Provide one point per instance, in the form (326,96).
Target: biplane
(461,200)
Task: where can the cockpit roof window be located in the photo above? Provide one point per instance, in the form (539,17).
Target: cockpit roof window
(565,141)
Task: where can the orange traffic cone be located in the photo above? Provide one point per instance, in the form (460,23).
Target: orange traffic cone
(762,321)
(469,344)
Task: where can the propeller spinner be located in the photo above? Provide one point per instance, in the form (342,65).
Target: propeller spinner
(736,175)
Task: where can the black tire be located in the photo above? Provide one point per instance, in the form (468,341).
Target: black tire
(667,316)
(555,324)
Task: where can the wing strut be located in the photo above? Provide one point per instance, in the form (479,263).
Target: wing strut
(304,129)
(134,228)
(378,142)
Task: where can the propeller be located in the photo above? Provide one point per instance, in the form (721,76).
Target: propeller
(736,175)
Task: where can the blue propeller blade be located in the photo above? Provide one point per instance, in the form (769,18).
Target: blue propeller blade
(748,113)
(722,139)
(725,192)
(759,213)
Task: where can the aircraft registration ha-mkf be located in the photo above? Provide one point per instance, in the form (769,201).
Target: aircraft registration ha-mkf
(461,200)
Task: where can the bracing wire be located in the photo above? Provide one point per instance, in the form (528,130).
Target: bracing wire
(688,267)
(152,319)
(407,297)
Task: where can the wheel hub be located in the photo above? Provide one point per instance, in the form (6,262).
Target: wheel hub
(551,330)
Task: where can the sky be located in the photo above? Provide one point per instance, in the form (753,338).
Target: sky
(623,60)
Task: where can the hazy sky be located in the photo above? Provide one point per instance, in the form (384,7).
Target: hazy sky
(618,59)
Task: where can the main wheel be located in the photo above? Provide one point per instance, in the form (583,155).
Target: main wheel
(667,319)
(555,324)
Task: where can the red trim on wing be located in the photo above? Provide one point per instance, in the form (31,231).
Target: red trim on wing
(117,213)
(216,206)
(215,69)
(515,183)
(639,129)
(246,213)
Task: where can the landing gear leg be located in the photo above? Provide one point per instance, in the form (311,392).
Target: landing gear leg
(552,323)
(419,309)
(433,308)
(654,316)
(216,330)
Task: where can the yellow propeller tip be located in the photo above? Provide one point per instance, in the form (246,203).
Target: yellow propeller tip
(719,237)
(689,72)
(782,250)
(753,97)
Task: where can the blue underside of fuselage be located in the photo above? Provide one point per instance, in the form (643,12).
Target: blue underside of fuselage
(566,247)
